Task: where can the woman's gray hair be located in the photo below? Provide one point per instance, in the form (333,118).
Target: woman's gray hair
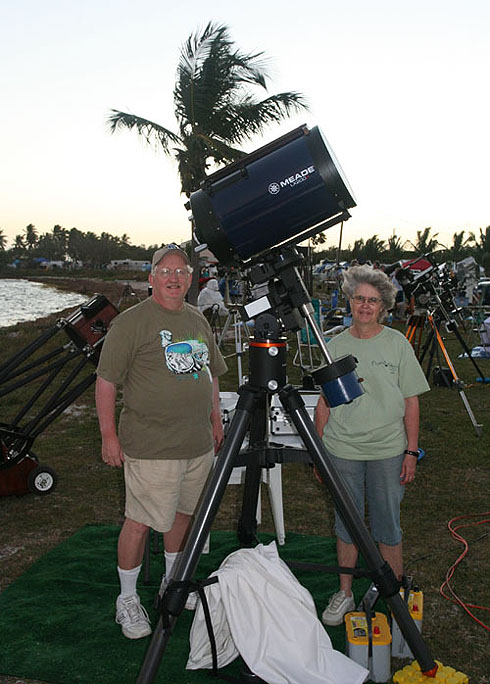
(365,275)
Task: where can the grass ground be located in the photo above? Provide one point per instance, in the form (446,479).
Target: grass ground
(452,480)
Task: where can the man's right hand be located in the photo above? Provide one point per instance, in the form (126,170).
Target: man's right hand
(112,453)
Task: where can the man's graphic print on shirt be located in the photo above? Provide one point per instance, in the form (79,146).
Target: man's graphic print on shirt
(187,357)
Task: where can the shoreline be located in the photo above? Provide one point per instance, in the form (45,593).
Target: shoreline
(114,290)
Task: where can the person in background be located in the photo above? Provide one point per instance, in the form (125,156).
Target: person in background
(400,307)
(373,441)
(210,298)
(163,354)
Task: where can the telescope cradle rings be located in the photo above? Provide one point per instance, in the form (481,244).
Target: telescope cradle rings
(279,194)
(339,381)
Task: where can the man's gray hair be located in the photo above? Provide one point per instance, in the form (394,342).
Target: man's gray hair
(365,275)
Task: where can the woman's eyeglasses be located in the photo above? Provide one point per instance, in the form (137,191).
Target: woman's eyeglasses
(369,300)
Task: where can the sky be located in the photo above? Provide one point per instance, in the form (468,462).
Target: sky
(399,89)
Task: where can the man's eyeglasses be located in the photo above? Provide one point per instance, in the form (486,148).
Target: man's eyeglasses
(370,300)
(178,272)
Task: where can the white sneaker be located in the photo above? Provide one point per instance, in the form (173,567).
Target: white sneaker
(338,606)
(132,617)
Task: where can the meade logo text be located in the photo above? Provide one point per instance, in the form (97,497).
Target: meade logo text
(290,181)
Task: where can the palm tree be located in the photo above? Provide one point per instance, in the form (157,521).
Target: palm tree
(425,243)
(19,245)
(374,248)
(3,240)
(481,249)
(215,107)
(60,238)
(459,249)
(357,250)
(395,248)
(30,236)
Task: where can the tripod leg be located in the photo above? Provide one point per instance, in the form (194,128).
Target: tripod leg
(226,327)
(458,383)
(433,351)
(174,600)
(453,328)
(476,425)
(381,572)
(426,346)
(247,525)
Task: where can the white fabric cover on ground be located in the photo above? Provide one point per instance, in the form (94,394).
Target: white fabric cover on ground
(260,611)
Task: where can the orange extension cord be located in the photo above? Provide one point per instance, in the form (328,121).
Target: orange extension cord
(454,598)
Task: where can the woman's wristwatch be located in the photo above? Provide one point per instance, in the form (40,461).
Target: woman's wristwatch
(411,453)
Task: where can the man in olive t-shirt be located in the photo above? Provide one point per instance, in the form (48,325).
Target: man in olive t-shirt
(163,354)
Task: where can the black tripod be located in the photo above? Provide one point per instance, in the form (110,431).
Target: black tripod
(289,304)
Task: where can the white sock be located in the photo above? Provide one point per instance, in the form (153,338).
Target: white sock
(128,579)
(170,559)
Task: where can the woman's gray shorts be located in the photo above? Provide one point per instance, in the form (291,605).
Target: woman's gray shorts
(376,482)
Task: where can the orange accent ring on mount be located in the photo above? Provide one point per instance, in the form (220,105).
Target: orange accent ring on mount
(267,344)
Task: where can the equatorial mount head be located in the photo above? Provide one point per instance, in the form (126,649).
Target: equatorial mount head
(287,300)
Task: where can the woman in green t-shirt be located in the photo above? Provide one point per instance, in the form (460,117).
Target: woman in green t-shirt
(373,441)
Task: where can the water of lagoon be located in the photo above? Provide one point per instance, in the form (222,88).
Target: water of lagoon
(23,300)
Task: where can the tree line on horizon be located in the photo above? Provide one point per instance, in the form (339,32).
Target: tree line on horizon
(395,248)
(70,245)
(96,251)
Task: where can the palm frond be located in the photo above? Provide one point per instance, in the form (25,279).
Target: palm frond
(211,73)
(244,119)
(198,47)
(214,105)
(152,132)
(221,151)
(214,47)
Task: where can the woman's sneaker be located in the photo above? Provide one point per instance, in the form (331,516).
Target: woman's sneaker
(338,606)
(132,617)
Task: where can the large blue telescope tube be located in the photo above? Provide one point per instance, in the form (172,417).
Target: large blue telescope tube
(270,196)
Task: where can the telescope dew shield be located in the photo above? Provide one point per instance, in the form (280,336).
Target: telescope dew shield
(339,381)
(270,196)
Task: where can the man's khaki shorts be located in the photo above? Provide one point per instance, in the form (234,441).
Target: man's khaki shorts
(157,490)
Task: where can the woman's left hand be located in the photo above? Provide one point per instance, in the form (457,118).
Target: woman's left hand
(409,467)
